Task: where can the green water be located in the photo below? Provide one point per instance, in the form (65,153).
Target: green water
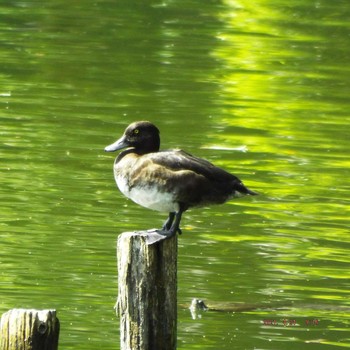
(259,88)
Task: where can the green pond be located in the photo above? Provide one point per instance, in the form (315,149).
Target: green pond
(259,88)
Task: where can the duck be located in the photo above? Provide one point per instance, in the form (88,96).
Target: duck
(171,181)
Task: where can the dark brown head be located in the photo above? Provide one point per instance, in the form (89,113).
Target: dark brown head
(143,136)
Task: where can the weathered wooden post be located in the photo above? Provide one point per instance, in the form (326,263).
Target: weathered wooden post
(147,288)
(22,329)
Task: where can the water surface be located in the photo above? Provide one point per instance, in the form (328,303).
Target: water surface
(260,89)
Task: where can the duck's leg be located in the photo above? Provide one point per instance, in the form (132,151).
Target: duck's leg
(172,226)
(175,227)
(169,229)
(168,222)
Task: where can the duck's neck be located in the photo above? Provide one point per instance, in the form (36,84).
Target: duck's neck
(148,146)
(122,154)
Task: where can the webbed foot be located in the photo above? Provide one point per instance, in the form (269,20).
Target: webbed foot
(169,232)
(169,229)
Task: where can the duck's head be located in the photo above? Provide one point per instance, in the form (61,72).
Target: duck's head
(143,136)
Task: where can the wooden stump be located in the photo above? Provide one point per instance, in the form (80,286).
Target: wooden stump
(147,288)
(22,329)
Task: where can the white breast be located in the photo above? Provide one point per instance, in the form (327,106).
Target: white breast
(148,196)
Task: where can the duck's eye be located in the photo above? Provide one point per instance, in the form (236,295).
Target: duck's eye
(136,131)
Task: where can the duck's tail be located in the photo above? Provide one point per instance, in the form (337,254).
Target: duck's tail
(243,190)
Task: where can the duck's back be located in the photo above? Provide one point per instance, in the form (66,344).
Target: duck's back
(178,160)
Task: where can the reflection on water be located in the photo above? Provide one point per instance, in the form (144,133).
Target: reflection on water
(260,89)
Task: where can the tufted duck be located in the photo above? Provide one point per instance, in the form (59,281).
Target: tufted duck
(171,180)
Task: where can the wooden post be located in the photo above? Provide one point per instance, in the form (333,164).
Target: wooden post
(22,329)
(147,286)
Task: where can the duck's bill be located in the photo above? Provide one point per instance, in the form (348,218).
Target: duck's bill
(119,144)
